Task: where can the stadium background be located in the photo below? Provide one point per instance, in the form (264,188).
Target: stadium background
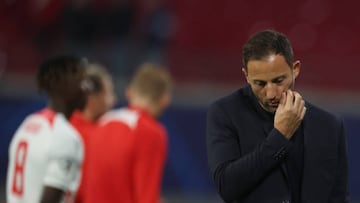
(200,42)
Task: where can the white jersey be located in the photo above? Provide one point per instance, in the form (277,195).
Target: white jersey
(45,151)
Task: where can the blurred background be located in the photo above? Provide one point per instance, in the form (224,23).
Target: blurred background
(200,42)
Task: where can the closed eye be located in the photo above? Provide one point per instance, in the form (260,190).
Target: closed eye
(260,83)
(278,80)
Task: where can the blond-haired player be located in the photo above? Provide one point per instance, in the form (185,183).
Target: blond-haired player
(127,154)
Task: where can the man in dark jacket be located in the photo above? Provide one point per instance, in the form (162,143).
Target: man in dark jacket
(266,144)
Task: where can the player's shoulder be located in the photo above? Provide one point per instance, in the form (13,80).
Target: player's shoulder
(66,140)
(61,124)
(36,122)
(64,132)
(44,116)
(121,115)
(149,125)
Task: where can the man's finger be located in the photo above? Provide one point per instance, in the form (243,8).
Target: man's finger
(289,98)
(297,100)
(303,113)
(283,99)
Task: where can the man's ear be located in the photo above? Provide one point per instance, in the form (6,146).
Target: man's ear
(246,74)
(165,101)
(296,69)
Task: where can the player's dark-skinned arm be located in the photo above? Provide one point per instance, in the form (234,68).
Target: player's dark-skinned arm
(51,195)
(340,191)
(236,174)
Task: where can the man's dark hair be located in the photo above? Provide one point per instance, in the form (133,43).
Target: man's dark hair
(57,71)
(265,43)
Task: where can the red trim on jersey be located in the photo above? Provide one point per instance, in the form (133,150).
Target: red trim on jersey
(49,114)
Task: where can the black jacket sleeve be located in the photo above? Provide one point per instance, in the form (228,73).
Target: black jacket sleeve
(236,174)
(340,190)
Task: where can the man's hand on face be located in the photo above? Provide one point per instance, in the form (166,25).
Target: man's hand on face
(290,113)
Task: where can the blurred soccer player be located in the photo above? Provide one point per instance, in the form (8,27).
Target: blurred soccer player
(127,153)
(100,99)
(46,152)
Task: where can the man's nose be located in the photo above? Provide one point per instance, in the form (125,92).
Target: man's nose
(271,91)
